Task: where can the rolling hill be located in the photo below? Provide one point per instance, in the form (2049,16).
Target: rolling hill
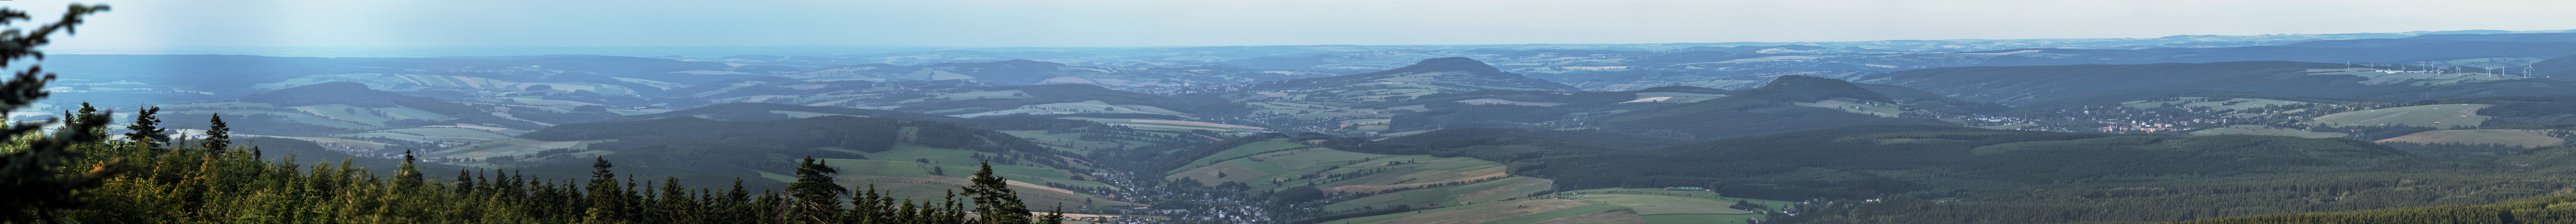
(905,157)
(1365,99)
(1030,72)
(337,107)
(2021,85)
(1857,161)
(1451,74)
(773,111)
(1789,103)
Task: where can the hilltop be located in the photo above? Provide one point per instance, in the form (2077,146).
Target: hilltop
(1441,73)
(1789,103)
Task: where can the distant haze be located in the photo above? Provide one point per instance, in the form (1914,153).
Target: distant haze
(157,24)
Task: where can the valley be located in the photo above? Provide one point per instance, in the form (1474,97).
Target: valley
(2111,130)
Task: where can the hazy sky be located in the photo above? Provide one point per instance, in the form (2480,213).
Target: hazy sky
(152,24)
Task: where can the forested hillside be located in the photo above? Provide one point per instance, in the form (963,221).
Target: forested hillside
(1788,104)
(2463,126)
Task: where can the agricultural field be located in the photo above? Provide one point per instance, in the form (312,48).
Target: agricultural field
(2010,126)
(1309,105)
(1489,191)
(2437,116)
(1673,97)
(325,142)
(1402,134)
(2424,79)
(444,133)
(1698,81)
(412,82)
(1342,171)
(327,115)
(487,84)
(1091,107)
(1857,106)
(2522,138)
(1163,125)
(987,94)
(1073,141)
(259,109)
(2247,129)
(1239,151)
(509,147)
(2232,104)
(1629,205)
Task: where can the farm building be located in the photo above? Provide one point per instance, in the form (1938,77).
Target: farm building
(1684,188)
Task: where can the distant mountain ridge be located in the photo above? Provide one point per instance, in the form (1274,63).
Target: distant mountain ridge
(350,93)
(2030,84)
(1033,72)
(773,111)
(1452,73)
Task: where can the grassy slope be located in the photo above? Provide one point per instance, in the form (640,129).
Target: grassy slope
(2440,116)
(1240,151)
(2522,138)
(1338,170)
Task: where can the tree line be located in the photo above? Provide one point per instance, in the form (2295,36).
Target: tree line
(145,179)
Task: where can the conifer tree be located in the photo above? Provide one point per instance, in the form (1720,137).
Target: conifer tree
(218,137)
(146,129)
(737,204)
(1055,216)
(994,198)
(409,176)
(676,204)
(607,200)
(465,183)
(818,200)
(100,129)
(35,184)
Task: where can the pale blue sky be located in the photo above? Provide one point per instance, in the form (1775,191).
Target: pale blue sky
(151,24)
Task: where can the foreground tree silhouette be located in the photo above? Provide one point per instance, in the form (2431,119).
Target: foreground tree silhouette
(999,203)
(146,128)
(34,183)
(818,200)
